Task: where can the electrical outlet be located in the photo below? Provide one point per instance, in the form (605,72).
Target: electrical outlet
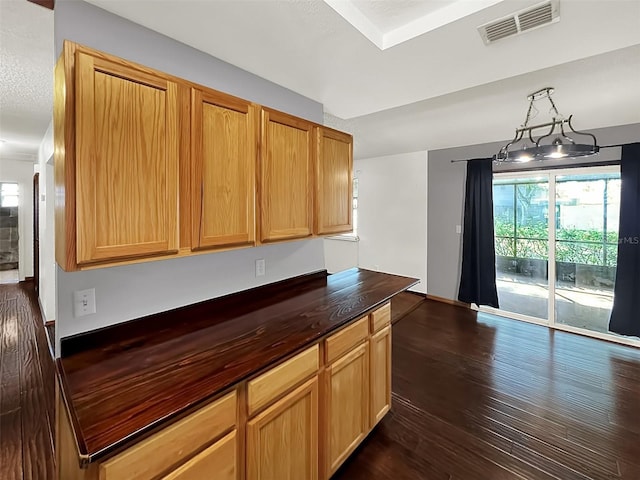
(84,302)
(261,268)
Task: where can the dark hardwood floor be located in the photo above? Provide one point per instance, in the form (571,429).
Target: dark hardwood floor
(26,388)
(405,303)
(474,398)
(482,397)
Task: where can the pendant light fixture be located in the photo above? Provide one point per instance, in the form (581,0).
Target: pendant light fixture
(558,142)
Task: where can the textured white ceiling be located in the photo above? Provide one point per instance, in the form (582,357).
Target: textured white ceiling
(26,77)
(390,14)
(599,91)
(441,89)
(391,22)
(307,47)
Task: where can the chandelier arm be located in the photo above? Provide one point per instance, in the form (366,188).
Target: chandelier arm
(564,135)
(553,105)
(528,117)
(553,127)
(595,142)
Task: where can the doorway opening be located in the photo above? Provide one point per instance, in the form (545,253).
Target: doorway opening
(9,249)
(556,237)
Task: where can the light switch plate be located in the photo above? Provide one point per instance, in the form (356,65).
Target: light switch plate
(458,229)
(84,302)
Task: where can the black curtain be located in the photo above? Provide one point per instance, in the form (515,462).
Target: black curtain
(625,316)
(478,280)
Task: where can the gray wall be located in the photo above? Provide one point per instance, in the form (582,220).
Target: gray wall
(93,27)
(127,292)
(445,202)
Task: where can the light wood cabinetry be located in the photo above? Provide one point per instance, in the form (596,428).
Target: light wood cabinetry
(334,182)
(219,461)
(298,420)
(126,162)
(340,343)
(347,400)
(224,146)
(282,442)
(149,166)
(270,385)
(380,362)
(286,177)
(158,453)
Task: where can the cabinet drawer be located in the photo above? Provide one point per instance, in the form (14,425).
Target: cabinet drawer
(174,444)
(347,338)
(381,318)
(268,386)
(219,461)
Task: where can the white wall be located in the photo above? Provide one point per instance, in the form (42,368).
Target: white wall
(392,215)
(127,292)
(21,172)
(340,254)
(47,284)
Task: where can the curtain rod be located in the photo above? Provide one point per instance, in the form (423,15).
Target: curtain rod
(484,158)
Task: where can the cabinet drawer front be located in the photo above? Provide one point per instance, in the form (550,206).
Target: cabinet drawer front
(278,380)
(347,338)
(154,455)
(219,461)
(381,318)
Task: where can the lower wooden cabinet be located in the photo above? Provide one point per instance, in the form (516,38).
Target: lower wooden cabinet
(380,361)
(282,441)
(219,461)
(281,425)
(347,400)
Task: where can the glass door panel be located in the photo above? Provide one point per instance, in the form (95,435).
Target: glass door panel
(587,210)
(521,215)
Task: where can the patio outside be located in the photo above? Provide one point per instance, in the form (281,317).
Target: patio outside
(586,233)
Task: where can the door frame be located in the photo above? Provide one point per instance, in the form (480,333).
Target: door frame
(550,176)
(36,232)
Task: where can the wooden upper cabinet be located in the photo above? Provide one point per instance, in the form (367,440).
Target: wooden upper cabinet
(286,177)
(334,184)
(223,149)
(126,161)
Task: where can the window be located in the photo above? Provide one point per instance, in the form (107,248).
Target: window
(9,194)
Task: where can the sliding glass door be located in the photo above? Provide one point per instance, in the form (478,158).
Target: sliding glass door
(521,216)
(557,265)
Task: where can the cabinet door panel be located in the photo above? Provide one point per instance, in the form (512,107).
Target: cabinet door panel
(347,405)
(286,177)
(224,153)
(126,163)
(282,442)
(380,375)
(219,462)
(334,187)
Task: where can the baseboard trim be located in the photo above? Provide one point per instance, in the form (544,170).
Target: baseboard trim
(27,280)
(455,303)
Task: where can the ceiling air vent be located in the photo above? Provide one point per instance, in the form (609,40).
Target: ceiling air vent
(539,15)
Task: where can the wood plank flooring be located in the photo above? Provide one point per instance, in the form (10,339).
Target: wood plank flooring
(26,388)
(481,397)
(475,397)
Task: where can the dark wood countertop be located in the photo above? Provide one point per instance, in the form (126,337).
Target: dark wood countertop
(123,382)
